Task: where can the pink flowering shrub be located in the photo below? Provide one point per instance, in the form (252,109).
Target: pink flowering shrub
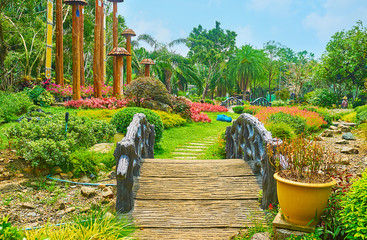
(197,108)
(85,91)
(313,120)
(105,103)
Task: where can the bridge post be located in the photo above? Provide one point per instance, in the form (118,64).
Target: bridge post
(137,144)
(247,139)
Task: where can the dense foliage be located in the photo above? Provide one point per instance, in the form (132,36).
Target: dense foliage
(12,105)
(45,143)
(353,205)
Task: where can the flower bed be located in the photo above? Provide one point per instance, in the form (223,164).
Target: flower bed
(196,110)
(67,91)
(313,120)
(105,103)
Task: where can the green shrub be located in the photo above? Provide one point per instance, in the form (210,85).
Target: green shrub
(122,119)
(281,130)
(361,115)
(325,98)
(12,105)
(181,105)
(350,117)
(44,142)
(87,162)
(209,101)
(353,214)
(40,96)
(283,94)
(238,109)
(278,103)
(358,102)
(100,114)
(147,88)
(7,232)
(297,123)
(309,96)
(170,120)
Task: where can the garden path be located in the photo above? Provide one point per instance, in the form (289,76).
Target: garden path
(195,199)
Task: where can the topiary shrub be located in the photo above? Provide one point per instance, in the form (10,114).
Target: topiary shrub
(12,105)
(297,123)
(281,130)
(122,119)
(238,109)
(171,120)
(181,105)
(353,214)
(147,88)
(324,98)
(209,101)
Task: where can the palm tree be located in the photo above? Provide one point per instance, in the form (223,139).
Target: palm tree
(168,64)
(245,66)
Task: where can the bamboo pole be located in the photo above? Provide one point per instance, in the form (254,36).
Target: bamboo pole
(82,76)
(119,76)
(59,45)
(76,52)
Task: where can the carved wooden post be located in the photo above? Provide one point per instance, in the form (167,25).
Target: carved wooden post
(128,33)
(97,74)
(118,53)
(59,45)
(147,62)
(76,45)
(82,76)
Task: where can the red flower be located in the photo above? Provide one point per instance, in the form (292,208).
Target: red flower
(271,206)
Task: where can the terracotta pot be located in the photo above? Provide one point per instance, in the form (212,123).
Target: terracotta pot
(302,203)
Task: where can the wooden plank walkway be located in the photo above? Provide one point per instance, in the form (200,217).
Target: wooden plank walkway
(195,199)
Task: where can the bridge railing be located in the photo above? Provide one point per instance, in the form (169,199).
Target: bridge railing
(231,101)
(247,139)
(261,101)
(137,144)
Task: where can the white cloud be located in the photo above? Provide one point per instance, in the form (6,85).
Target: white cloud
(244,35)
(335,16)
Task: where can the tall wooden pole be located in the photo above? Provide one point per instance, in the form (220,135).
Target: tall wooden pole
(101,66)
(97,52)
(147,70)
(82,76)
(76,51)
(117,91)
(115,44)
(128,60)
(59,45)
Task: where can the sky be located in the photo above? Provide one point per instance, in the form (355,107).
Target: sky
(298,24)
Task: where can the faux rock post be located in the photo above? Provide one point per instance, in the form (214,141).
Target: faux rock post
(136,145)
(247,138)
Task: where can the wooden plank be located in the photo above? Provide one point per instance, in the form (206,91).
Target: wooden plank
(198,188)
(184,170)
(196,214)
(185,233)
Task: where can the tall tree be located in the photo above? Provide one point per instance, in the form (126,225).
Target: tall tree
(344,64)
(211,48)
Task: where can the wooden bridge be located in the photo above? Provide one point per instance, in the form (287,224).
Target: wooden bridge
(187,199)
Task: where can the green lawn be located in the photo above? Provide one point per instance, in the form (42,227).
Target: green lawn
(191,132)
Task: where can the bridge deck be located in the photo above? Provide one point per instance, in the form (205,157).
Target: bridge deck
(195,199)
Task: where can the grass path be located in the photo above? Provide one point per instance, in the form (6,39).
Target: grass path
(175,140)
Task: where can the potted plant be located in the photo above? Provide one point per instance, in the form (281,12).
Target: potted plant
(303,174)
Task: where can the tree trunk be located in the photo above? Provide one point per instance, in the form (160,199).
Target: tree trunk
(3,51)
(168,75)
(269,86)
